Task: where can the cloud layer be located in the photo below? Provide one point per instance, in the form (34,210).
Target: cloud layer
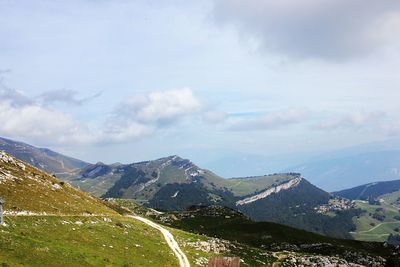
(65,96)
(271,120)
(23,118)
(325,29)
(160,107)
(354,121)
(33,119)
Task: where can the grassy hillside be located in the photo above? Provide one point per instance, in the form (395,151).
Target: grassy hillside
(49,223)
(273,239)
(376,222)
(81,241)
(26,188)
(379,203)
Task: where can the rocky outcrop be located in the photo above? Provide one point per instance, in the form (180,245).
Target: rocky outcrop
(276,189)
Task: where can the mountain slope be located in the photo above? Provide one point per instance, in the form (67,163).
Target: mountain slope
(42,158)
(26,188)
(50,223)
(379,203)
(46,218)
(230,225)
(297,206)
(371,190)
(173,183)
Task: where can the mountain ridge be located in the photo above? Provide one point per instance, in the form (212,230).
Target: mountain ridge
(43,158)
(174,183)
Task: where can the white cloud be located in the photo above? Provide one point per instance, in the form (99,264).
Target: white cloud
(23,118)
(160,107)
(36,123)
(325,29)
(272,120)
(353,120)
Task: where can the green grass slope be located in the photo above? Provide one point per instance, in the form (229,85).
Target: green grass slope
(26,188)
(262,241)
(49,223)
(376,222)
(81,241)
(379,203)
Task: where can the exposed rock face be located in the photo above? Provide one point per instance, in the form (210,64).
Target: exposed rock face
(214,245)
(8,159)
(4,174)
(276,189)
(289,255)
(329,261)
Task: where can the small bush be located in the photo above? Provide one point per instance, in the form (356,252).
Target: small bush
(120,225)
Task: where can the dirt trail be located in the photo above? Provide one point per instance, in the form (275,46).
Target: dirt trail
(183,261)
(373,228)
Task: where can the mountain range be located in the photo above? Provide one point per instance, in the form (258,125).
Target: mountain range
(173,183)
(50,223)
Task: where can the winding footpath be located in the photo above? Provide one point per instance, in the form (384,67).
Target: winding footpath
(373,228)
(183,261)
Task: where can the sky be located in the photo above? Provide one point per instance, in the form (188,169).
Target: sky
(123,81)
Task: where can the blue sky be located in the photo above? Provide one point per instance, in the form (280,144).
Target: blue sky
(133,80)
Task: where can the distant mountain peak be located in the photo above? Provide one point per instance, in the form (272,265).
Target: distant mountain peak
(42,158)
